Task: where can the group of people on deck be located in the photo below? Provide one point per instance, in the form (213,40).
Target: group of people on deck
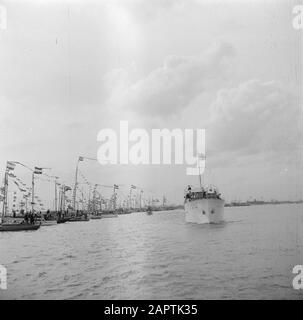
(30,217)
(203,194)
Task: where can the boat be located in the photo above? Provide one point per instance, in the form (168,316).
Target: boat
(95,216)
(48,222)
(18,227)
(62,220)
(109,214)
(28,222)
(78,218)
(204,205)
(149,211)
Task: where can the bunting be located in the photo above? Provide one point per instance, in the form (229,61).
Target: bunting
(38,170)
(10,165)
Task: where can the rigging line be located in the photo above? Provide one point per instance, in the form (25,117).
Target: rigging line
(17,162)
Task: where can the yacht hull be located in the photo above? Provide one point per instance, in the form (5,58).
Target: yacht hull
(204,210)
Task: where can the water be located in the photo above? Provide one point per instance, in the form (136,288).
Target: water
(136,256)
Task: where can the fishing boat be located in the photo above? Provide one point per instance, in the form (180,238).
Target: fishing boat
(95,217)
(12,223)
(109,214)
(48,222)
(62,220)
(78,218)
(149,211)
(18,227)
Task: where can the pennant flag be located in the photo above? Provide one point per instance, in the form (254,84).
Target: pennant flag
(10,165)
(38,170)
(201,156)
(16,183)
(11,175)
(81,159)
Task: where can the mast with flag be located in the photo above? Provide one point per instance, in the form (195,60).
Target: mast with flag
(132,187)
(76,182)
(201,163)
(10,166)
(116,187)
(37,170)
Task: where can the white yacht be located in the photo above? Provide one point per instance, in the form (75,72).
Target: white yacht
(203,205)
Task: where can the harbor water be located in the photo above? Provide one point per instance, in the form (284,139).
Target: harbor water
(136,256)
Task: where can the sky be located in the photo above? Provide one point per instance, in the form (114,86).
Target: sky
(69,69)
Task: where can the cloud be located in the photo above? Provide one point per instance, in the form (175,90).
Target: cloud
(146,10)
(170,88)
(256,117)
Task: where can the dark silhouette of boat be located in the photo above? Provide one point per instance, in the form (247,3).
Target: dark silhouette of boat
(78,219)
(62,220)
(109,214)
(94,216)
(149,211)
(18,227)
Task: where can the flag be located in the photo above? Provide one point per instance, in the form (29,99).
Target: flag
(81,159)
(10,165)
(16,183)
(11,175)
(201,156)
(116,186)
(133,187)
(38,170)
(66,188)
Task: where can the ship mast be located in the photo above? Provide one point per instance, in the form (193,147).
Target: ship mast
(202,157)
(5,195)
(200,178)
(33,192)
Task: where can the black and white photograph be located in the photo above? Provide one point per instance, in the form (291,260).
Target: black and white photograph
(151,150)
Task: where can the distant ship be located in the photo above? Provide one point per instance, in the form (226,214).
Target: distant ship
(203,204)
